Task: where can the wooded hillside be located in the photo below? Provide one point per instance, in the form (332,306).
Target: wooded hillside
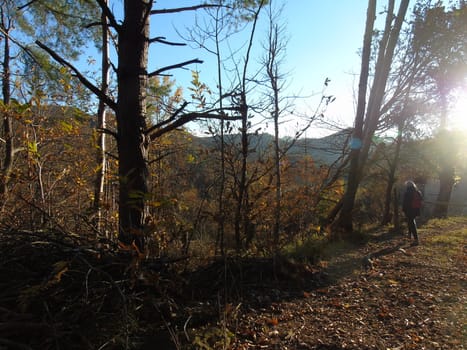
(109,193)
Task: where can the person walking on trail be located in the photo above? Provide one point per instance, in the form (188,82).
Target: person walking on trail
(411,207)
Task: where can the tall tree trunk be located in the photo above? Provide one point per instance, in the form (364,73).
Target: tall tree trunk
(132,144)
(221,207)
(446,182)
(446,173)
(277,157)
(362,141)
(386,219)
(242,216)
(240,210)
(273,75)
(446,162)
(101,124)
(344,220)
(7,165)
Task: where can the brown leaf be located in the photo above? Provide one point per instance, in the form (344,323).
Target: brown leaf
(272,321)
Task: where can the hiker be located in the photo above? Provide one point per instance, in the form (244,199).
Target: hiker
(411,208)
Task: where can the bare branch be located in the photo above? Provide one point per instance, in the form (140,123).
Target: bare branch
(161,39)
(108,132)
(174,66)
(188,118)
(182,9)
(16,42)
(174,115)
(26,4)
(93,24)
(173,123)
(94,89)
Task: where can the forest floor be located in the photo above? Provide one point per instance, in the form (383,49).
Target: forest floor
(58,292)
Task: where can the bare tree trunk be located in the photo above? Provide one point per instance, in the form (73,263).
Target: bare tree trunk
(242,185)
(241,213)
(101,124)
(396,220)
(221,215)
(362,141)
(446,173)
(446,162)
(386,219)
(446,182)
(277,157)
(7,162)
(273,59)
(132,143)
(346,205)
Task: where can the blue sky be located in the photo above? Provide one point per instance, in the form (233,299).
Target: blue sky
(323,41)
(324,38)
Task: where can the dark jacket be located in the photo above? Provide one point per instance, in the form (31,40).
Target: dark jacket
(407,204)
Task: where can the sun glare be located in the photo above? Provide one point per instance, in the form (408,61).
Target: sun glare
(458,114)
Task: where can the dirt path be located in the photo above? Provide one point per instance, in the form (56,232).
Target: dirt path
(409,298)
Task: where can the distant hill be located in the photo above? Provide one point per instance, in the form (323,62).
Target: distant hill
(324,150)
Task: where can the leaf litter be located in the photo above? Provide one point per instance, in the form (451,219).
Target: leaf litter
(69,295)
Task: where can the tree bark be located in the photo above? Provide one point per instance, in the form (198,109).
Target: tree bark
(132,143)
(446,172)
(7,161)
(344,221)
(242,215)
(101,124)
(272,63)
(386,218)
(446,182)
(365,127)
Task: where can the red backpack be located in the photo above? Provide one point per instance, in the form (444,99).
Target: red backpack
(417,200)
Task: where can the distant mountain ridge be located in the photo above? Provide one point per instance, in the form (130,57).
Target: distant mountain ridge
(325,150)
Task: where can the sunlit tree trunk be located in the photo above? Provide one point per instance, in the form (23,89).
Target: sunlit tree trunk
(101,124)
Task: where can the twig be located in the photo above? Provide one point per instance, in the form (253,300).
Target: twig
(19,8)
(59,227)
(162,40)
(184,328)
(111,280)
(171,331)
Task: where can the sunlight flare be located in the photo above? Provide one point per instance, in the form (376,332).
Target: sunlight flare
(459,112)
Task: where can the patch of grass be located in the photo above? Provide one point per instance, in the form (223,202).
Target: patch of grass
(443,223)
(445,237)
(454,238)
(317,248)
(309,250)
